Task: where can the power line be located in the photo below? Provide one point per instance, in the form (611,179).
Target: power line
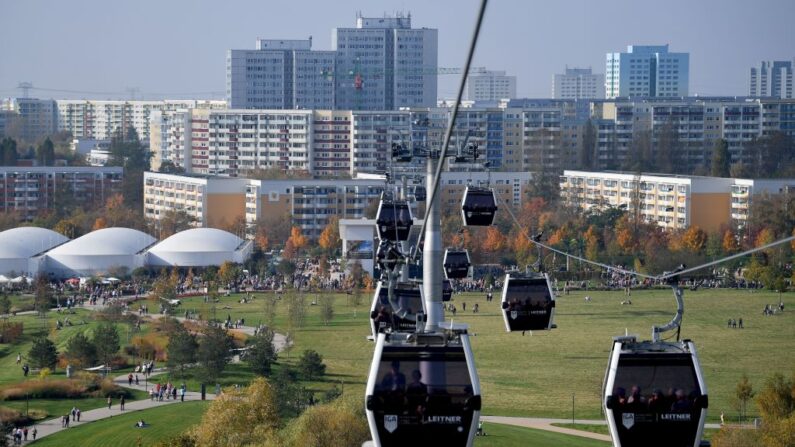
(661,277)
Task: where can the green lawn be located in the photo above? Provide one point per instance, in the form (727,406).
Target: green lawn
(498,435)
(120,431)
(58,407)
(604,430)
(536,374)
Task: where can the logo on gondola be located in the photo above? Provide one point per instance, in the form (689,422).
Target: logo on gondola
(628,419)
(514,314)
(390,422)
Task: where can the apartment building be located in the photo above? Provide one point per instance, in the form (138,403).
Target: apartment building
(28,118)
(31,191)
(578,83)
(280,74)
(647,70)
(672,202)
(385,64)
(744,191)
(211,201)
(772,79)
(100,120)
(490,86)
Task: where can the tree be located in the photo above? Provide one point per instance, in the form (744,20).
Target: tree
(261,236)
(42,301)
(43,353)
(126,151)
(261,354)
(106,340)
(694,239)
(329,239)
(743,392)
(296,311)
(729,243)
(214,352)
(8,152)
(721,159)
(182,347)
(66,227)
(5,304)
(172,222)
(228,272)
(278,227)
(240,417)
(45,153)
(326,308)
(81,352)
(297,239)
(776,399)
(311,364)
(338,423)
(168,167)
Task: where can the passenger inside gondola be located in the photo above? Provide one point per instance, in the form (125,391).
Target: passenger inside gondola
(417,393)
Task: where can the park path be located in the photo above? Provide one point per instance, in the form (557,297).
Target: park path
(546,424)
(52,426)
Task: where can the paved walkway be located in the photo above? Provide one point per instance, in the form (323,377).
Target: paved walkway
(52,426)
(546,424)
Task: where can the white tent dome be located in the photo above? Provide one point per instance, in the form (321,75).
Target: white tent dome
(99,251)
(19,245)
(199,247)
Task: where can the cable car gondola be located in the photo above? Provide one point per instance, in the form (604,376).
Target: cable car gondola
(654,394)
(393,220)
(447,290)
(528,303)
(419,193)
(478,206)
(423,390)
(382,314)
(456,264)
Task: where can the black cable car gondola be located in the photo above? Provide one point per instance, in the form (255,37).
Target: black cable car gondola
(423,390)
(447,290)
(393,220)
(528,303)
(419,193)
(654,394)
(478,206)
(456,264)
(383,317)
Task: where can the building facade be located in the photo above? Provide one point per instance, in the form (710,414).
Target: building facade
(28,118)
(31,191)
(100,120)
(672,202)
(578,83)
(280,74)
(385,64)
(490,86)
(211,201)
(647,71)
(745,190)
(772,79)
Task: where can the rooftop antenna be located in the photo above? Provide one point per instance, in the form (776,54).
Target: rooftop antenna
(25,87)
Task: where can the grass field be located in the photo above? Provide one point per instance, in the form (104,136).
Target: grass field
(510,436)
(120,431)
(537,374)
(604,430)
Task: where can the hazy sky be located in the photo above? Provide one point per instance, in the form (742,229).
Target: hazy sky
(176,48)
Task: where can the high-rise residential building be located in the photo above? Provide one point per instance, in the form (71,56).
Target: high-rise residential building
(647,71)
(490,86)
(772,79)
(384,64)
(31,191)
(29,118)
(280,74)
(578,83)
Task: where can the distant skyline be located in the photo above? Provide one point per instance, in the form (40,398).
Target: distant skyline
(177,48)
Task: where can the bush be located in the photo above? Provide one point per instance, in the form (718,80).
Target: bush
(14,417)
(82,385)
(10,332)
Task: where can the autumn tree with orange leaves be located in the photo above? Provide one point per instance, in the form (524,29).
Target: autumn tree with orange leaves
(329,239)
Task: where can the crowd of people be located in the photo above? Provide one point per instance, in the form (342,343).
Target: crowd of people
(675,400)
